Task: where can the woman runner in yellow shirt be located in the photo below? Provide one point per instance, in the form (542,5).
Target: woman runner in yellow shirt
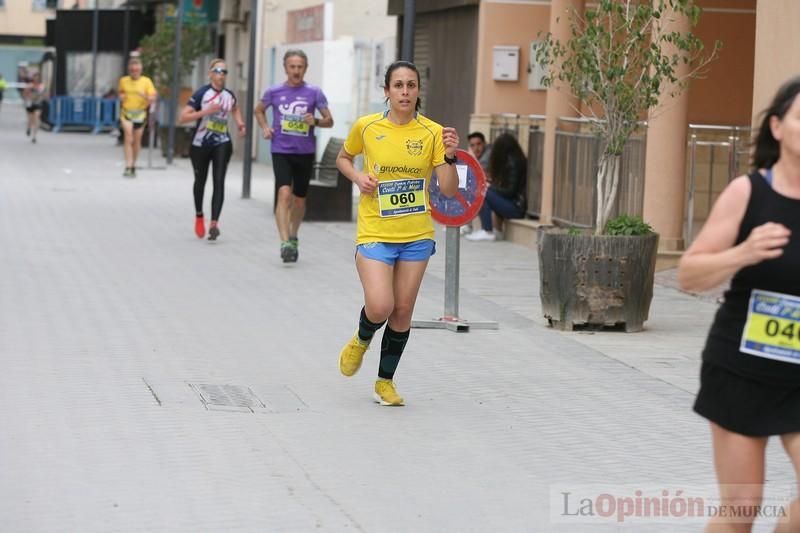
(136,92)
(395,228)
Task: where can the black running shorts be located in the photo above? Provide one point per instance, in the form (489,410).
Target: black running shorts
(293,170)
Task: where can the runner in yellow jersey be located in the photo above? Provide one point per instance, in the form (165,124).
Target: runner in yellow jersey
(401,148)
(136,92)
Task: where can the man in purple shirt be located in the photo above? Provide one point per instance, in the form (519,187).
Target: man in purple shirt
(293,144)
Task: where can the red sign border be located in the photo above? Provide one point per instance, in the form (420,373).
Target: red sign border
(480,194)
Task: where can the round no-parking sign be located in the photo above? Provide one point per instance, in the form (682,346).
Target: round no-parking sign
(466,203)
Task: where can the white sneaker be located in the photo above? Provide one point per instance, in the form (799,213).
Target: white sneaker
(481,235)
(466,229)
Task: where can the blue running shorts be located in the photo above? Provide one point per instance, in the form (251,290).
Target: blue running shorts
(391,252)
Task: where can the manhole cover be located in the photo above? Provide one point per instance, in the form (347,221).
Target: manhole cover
(227,397)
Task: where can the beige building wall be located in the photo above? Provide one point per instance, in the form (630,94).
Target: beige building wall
(723,96)
(89,4)
(362,19)
(513,23)
(734,23)
(19,18)
(517,23)
(346,22)
(776,50)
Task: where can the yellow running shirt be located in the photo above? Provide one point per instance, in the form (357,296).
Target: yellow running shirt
(134,103)
(402,158)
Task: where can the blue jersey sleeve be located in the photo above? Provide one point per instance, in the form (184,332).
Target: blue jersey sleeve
(196,100)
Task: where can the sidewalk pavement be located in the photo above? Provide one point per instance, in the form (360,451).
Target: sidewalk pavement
(116,323)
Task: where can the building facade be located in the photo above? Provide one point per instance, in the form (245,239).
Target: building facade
(348,42)
(23,22)
(22,36)
(706,129)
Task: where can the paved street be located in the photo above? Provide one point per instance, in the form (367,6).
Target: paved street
(116,322)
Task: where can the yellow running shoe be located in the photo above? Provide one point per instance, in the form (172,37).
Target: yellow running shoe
(352,355)
(386,394)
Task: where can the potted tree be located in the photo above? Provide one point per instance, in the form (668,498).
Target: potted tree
(621,56)
(158,53)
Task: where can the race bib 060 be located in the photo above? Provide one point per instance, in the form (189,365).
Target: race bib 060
(402,197)
(294,125)
(772,329)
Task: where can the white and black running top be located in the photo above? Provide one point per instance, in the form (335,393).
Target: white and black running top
(212,130)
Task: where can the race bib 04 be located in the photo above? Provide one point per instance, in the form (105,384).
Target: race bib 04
(294,125)
(772,329)
(402,197)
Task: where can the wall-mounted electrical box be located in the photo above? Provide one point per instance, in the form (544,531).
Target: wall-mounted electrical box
(505,60)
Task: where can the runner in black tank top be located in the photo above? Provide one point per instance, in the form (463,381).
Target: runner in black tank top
(779,275)
(750,377)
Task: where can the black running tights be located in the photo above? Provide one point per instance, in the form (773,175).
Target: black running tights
(218,156)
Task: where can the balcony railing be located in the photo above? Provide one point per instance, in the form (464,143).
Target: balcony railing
(715,155)
(578,151)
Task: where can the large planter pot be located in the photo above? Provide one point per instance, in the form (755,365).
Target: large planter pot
(596,280)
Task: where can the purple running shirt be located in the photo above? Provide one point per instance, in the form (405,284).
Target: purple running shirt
(290,134)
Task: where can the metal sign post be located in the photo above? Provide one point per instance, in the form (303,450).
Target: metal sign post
(455,212)
(175,86)
(409,14)
(151,125)
(95,40)
(247,166)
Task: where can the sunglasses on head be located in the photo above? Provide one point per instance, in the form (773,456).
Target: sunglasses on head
(219,70)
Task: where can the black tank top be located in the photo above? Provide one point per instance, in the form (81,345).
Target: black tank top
(777,275)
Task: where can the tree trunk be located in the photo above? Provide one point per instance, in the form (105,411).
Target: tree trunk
(607,186)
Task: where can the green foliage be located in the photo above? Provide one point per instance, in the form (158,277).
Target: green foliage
(572,230)
(615,60)
(158,52)
(627,225)
(621,56)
